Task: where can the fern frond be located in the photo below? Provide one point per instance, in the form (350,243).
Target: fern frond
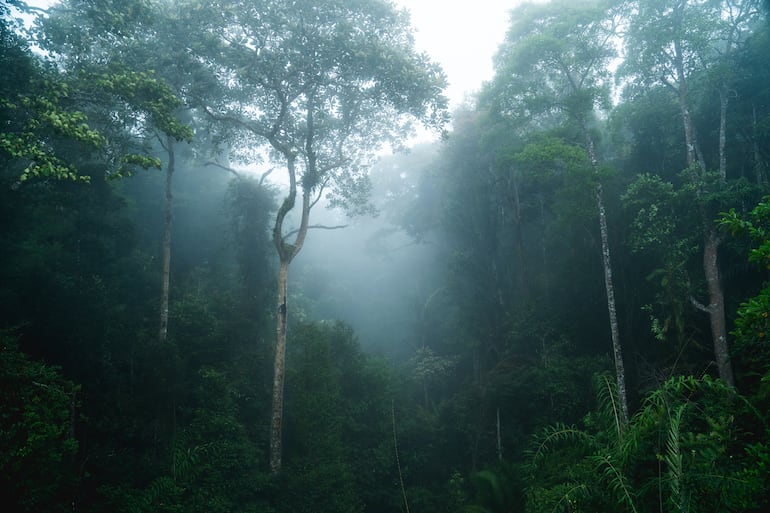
(555,435)
(608,397)
(616,480)
(673,459)
(163,486)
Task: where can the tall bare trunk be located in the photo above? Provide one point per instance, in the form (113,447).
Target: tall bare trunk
(617,351)
(166,250)
(609,287)
(279,369)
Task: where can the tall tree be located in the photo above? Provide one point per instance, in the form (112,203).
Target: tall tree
(555,62)
(323,85)
(671,44)
(123,38)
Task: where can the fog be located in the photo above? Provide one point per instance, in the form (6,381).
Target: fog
(372,273)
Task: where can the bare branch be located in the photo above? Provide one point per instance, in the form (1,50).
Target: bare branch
(265,175)
(226,168)
(317,227)
(320,191)
(700,306)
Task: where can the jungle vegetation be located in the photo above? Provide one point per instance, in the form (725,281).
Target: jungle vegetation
(225,288)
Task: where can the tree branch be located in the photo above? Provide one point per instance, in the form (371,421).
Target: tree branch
(317,227)
(226,168)
(320,191)
(700,306)
(265,175)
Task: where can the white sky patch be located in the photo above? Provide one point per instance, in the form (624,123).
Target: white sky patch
(462,36)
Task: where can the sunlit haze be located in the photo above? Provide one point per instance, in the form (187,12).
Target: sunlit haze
(462,37)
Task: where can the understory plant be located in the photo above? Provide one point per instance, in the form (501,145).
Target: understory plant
(684,450)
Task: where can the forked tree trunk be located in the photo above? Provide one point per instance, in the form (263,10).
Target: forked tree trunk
(166,249)
(286,253)
(711,240)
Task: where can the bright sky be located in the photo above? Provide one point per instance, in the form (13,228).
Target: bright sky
(462,36)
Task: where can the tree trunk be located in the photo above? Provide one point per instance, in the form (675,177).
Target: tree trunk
(759,168)
(286,253)
(711,240)
(716,307)
(166,250)
(620,372)
(609,287)
(279,369)
(724,98)
(523,274)
(694,155)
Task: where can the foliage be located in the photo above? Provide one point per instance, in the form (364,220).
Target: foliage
(37,115)
(37,427)
(337,426)
(751,323)
(681,451)
(498,490)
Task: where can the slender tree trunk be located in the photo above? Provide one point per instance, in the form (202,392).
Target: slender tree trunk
(279,369)
(609,287)
(544,250)
(166,250)
(523,275)
(724,99)
(759,168)
(617,351)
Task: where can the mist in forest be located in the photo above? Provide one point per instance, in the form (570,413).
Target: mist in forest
(373,273)
(234,278)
